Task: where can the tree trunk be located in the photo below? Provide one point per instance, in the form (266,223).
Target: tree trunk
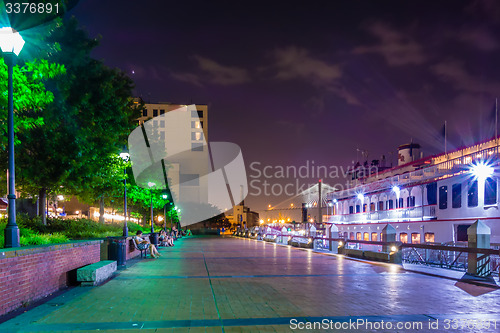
(101,210)
(42,199)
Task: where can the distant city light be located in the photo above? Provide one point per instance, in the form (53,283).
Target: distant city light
(60,197)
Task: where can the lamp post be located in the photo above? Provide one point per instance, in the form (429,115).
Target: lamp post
(11,44)
(165,197)
(151,185)
(125,157)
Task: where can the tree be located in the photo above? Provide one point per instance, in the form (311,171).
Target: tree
(88,121)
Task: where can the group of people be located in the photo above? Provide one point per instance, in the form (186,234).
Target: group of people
(165,239)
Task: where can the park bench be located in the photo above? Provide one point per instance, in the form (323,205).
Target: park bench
(96,273)
(144,252)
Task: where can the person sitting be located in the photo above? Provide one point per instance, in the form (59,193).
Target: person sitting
(143,243)
(165,240)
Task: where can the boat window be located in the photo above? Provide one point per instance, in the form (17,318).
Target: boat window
(462,232)
(380,205)
(432,194)
(390,204)
(351,236)
(346,234)
(456,196)
(415,238)
(358,236)
(382,237)
(366,236)
(472,194)
(372,207)
(400,203)
(443,197)
(358,208)
(410,201)
(403,237)
(490,191)
(364,208)
(351,209)
(374,237)
(429,237)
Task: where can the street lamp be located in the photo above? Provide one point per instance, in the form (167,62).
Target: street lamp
(125,157)
(151,185)
(11,44)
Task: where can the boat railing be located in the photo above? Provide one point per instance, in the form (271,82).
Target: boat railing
(425,212)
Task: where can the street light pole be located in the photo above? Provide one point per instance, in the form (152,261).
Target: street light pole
(151,185)
(11,44)
(125,156)
(165,197)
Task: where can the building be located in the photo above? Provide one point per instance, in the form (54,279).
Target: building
(243,216)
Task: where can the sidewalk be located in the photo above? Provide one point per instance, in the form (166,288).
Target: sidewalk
(216,284)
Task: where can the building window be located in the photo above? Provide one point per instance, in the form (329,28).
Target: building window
(196,146)
(374,237)
(162,123)
(351,209)
(415,238)
(380,205)
(490,191)
(429,237)
(410,201)
(403,237)
(145,113)
(197,114)
(366,236)
(456,195)
(472,194)
(162,112)
(196,136)
(358,208)
(189,179)
(162,136)
(155,113)
(195,124)
(443,197)
(358,236)
(432,194)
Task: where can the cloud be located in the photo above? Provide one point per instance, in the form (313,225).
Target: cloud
(479,38)
(397,48)
(297,63)
(343,92)
(188,78)
(220,74)
(453,71)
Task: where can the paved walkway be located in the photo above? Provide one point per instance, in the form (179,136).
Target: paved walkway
(212,284)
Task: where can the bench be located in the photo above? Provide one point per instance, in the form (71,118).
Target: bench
(144,252)
(96,273)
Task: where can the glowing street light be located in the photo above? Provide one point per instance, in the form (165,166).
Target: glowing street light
(11,44)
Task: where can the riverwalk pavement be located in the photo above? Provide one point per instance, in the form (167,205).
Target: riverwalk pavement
(227,284)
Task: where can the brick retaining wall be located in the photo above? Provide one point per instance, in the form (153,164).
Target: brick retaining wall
(28,274)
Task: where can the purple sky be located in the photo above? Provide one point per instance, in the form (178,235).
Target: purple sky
(313,81)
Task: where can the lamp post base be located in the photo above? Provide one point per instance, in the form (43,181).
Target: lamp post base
(11,234)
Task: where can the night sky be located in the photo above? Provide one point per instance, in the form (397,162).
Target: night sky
(312,82)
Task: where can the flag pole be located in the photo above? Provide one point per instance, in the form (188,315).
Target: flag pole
(496,124)
(445,150)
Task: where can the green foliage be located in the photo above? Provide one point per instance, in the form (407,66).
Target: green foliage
(34,232)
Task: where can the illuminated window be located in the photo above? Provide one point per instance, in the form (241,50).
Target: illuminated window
(456,196)
(358,236)
(374,237)
(490,191)
(403,237)
(415,238)
(443,197)
(351,236)
(195,124)
(372,207)
(382,237)
(196,136)
(472,194)
(429,237)
(364,208)
(366,236)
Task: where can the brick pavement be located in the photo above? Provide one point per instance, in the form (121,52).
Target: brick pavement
(211,284)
